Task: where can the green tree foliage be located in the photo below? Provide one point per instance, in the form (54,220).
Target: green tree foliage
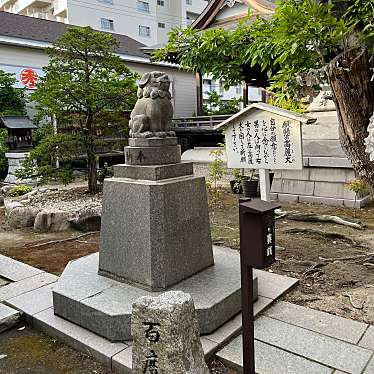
(306,43)
(217,106)
(216,51)
(12,100)
(86,87)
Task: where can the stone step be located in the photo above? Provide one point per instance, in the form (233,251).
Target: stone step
(9,317)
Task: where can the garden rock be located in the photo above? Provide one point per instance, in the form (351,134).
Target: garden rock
(21,216)
(52,221)
(10,205)
(87,220)
(1,201)
(166,335)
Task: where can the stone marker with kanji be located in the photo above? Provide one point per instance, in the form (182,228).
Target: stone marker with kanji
(166,336)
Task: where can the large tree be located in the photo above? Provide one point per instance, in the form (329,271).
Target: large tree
(306,42)
(86,88)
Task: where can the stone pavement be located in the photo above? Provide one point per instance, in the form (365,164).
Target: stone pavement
(292,339)
(30,292)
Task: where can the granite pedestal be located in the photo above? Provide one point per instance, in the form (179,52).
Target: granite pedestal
(155,236)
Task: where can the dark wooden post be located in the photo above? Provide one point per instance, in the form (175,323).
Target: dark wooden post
(245,94)
(199,94)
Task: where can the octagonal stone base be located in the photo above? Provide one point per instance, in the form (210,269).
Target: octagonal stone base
(104,305)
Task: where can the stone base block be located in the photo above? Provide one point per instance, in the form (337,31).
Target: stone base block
(153,173)
(152,142)
(154,234)
(162,155)
(104,306)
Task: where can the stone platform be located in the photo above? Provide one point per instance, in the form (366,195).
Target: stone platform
(104,305)
(292,339)
(31,293)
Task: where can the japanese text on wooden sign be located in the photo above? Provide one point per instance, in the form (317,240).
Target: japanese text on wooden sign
(263,140)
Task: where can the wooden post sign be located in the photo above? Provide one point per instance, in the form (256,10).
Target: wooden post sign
(264,137)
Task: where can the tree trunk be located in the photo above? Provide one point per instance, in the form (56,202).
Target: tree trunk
(350,80)
(92,173)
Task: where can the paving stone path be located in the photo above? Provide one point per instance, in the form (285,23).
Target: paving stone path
(291,339)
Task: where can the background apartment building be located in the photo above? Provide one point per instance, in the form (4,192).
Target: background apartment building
(147,21)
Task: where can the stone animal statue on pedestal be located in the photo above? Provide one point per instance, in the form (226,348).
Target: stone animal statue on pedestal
(153,112)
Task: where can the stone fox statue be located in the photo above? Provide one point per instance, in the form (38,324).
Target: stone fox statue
(153,111)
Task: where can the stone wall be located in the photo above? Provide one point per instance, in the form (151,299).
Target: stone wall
(326,168)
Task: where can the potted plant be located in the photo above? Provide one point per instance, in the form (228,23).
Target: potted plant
(236,183)
(250,185)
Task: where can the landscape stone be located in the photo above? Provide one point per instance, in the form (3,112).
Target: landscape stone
(8,317)
(21,217)
(269,360)
(15,271)
(52,221)
(1,200)
(166,335)
(153,155)
(18,288)
(153,173)
(87,220)
(323,323)
(367,340)
(169,241)
(10,205)
(319,348)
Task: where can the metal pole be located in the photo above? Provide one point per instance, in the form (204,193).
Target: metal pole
(248,320)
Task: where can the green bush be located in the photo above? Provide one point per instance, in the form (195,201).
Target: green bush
(19,191)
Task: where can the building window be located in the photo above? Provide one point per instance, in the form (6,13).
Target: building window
(145,31)
(143,6)
(107,24)
(160,2)
(106,1)
(189,2)
(161,25)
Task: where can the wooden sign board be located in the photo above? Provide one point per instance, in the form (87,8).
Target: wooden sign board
(260,139)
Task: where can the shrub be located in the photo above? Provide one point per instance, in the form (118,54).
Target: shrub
(19,191)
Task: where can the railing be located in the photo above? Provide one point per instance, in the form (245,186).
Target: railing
(202,122)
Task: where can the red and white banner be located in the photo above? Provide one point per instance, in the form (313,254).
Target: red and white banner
(27,77)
